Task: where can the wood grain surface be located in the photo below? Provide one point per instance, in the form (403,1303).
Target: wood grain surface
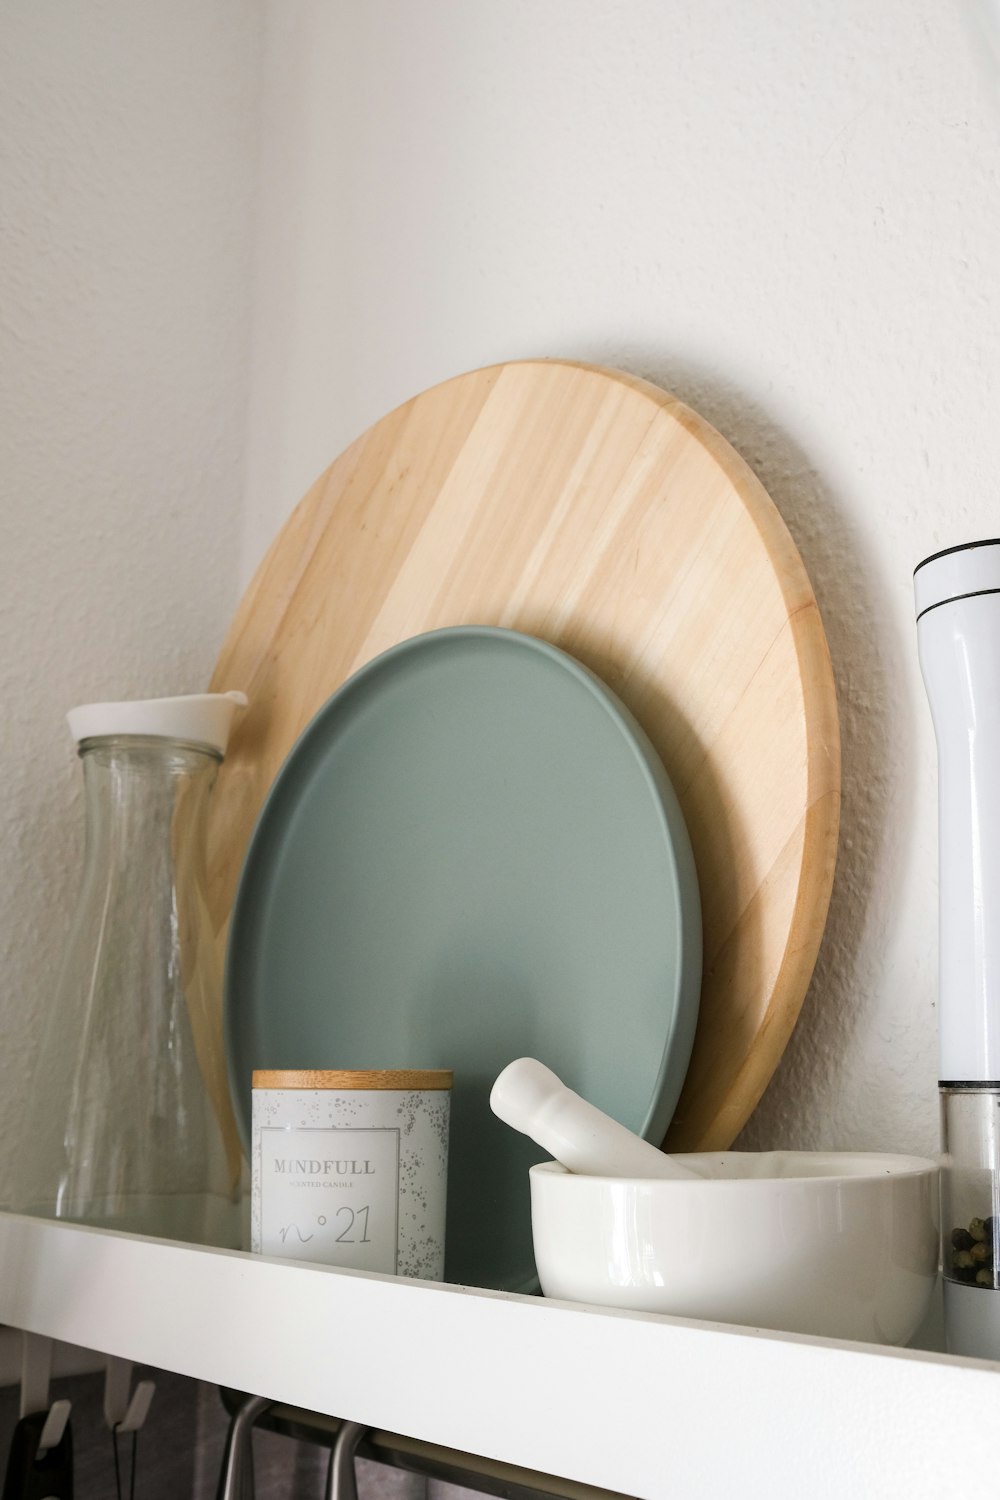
(593,510)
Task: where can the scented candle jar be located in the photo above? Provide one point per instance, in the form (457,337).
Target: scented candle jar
(350,1168)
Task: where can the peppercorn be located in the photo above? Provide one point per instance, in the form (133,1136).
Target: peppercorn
(977,1228)
(981,1252)
(963,1260)
(961,1239)
(984,1278)
(990,1226)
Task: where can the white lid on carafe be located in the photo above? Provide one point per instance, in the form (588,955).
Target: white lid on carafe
(195,719)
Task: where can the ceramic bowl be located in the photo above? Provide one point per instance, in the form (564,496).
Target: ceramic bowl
(843,1245)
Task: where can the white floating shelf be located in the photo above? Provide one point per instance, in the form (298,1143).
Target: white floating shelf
(648,1406)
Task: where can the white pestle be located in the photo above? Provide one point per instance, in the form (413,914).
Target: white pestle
(528,1096)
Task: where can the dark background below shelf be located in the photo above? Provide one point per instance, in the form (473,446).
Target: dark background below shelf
(179,1450)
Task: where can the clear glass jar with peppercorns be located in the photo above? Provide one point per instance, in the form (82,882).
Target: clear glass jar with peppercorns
(970,1186)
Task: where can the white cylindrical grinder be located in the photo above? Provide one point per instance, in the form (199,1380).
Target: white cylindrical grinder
(957,595)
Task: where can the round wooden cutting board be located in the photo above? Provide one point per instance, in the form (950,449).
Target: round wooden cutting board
(592,510)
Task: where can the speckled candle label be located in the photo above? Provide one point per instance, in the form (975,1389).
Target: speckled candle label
(353,1178)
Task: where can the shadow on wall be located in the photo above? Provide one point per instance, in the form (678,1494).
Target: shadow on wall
(867,663)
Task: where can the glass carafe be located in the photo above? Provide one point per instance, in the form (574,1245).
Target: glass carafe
(140,1136)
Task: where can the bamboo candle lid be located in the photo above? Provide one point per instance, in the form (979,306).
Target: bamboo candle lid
(332,1078)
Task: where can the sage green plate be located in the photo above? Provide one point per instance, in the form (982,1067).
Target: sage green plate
(472,854)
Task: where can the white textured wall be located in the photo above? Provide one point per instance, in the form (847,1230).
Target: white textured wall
(128,149)
(788,214)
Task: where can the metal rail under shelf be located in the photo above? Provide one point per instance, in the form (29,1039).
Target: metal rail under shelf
(468,1470)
